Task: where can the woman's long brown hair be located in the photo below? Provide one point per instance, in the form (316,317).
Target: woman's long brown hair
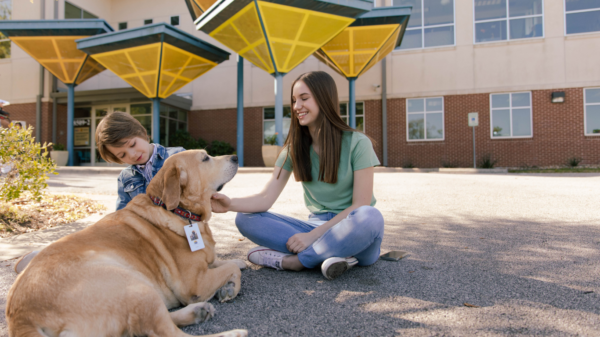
(330,128)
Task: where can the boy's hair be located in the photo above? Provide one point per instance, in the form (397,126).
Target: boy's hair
(115,130)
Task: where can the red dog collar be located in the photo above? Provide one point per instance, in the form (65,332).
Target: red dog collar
(179,211)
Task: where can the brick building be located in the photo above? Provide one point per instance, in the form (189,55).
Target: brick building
(502,59)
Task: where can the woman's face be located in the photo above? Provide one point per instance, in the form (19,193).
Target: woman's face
(304,104)
(135,151)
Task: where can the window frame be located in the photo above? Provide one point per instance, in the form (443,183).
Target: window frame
(122,23)
(511,114)
(81,9)
(151,22)
(425,119)
(507,19)
(178,20)
(585,105)
(422,28)
(363,114)
(579,11)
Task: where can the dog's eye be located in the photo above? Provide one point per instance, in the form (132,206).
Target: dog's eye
(207,158)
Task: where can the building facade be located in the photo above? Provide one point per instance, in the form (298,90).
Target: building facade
(503,59)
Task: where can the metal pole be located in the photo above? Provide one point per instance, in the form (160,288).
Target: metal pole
(352,102)
(70,117)
(240,111)
(384,109)
(279,107)
(54,88)
(156,120)
(474,155)
(38,108)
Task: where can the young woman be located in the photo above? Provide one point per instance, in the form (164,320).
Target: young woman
(335,164)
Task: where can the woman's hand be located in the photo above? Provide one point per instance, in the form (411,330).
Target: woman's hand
(220,203)
(301,241)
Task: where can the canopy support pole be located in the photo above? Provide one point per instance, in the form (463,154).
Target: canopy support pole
(352,102)
(156,120)
(240,111)
(279,107)
(70,119)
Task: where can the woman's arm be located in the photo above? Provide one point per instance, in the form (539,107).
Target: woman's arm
(361,195)
(260,202)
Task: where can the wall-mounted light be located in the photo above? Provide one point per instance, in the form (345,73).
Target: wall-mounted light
(558,97)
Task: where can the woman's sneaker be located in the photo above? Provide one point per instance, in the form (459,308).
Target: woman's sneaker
(266,257)
(336,266)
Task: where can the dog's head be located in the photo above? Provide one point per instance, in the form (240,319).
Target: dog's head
(188,179)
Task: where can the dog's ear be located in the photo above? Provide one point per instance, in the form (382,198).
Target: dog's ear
(171,188)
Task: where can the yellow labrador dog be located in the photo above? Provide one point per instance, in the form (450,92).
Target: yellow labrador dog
(119,276)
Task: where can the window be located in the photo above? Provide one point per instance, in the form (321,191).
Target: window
(5,14)
(592,111)
(511,115)
(269,122)
(122,25)
(431,23)
(171,120)
(425,119)
(74,12)
(502,20)
(360,115)
(175,20)
(582,16)
(148,22)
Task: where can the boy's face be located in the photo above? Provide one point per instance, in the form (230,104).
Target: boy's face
(135,151)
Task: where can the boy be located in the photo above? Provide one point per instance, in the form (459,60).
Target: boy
(123,139)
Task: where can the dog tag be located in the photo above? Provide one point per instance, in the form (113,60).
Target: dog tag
(194,237)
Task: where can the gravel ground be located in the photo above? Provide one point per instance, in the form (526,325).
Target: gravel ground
(524,249)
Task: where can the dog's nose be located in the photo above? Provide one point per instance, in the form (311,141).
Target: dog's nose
(234,159)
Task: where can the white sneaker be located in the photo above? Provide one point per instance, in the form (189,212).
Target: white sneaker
(336,266)
(266,257)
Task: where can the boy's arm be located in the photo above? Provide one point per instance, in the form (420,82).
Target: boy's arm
(123,198)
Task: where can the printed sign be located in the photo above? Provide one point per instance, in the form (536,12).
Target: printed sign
(473,119)
(192,233)
(81,136)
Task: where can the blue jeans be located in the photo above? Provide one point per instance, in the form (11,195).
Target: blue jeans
(358,235)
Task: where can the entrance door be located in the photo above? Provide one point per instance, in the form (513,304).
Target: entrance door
(98,113)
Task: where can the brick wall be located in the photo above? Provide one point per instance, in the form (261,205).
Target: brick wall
(557,134)
(221,125)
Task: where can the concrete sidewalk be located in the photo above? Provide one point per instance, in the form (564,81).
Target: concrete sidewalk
(523,249)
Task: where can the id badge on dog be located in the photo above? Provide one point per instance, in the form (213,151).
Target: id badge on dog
(192,233)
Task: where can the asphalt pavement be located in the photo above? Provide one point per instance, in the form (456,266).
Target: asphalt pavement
(522,251)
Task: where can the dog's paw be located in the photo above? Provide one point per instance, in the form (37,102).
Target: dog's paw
(203,312)
(241,264)
(227,292)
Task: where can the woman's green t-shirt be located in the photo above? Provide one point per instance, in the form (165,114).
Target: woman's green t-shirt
(321,197)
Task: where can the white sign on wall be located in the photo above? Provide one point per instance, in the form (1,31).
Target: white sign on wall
(473,119)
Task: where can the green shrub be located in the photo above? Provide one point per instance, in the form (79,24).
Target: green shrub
(25,164)
(184,139)
(486,162)
(271,140)
(573,161)
(408,164)
(218,148)
(58,147)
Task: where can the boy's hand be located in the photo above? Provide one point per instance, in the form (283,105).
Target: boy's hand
(220,203)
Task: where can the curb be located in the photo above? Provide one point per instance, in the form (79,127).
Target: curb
(378,169)
(472,170)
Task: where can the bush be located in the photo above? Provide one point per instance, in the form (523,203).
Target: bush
(408,164)
(58,147)
(24,164)
(448,164)
(573,161)
(271,140)
(486,162)
(218,148)
(184,139)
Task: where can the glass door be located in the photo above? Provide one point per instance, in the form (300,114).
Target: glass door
(82,136)
(99,112)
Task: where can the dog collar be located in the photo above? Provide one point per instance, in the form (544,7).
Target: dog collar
(179,211)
